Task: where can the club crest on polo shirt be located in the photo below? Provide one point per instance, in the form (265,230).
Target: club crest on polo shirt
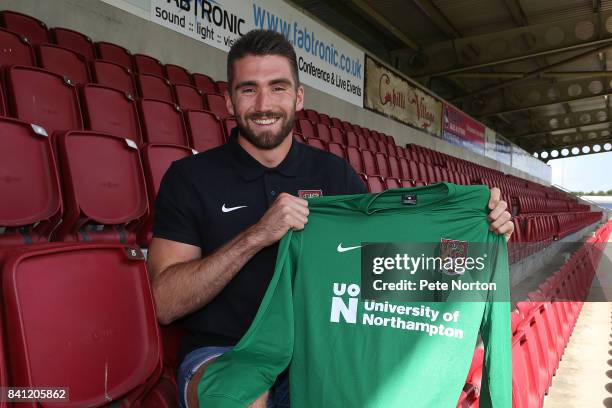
(310,193)
(455,249)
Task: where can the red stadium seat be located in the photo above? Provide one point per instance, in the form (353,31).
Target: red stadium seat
(31,198)
(44,98)
(393,182)
(104,349)
(404,169)
(154,87)
(3,108)
(204,128)
(216,103)
(188,97)
(337,123)
(314,142)
(229,123)
(351,139)
(312,115)
(156,158)
(63,61)
(336,149)
(145,64)
(221,86)
(114,53)
(376,184)
(336,135)
(75,41)
(382,165)
(323,132)
(15,49)
(306,128)
(109,110)
(161,122)
(394,167)
(204,83)
(324,119)
(34,30)
(353,156)
(104,187)
(372,145)
(407,183)
(177,74)
(369,163)
(298,136)
(114,75)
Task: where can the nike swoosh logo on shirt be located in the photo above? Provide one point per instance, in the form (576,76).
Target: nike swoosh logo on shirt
(344,249)
(230,209)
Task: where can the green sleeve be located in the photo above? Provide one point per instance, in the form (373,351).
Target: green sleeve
(496,387)
(241,375)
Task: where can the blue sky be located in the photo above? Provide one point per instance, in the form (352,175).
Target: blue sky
(583,173)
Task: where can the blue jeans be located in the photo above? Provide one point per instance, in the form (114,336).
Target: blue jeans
(277,398)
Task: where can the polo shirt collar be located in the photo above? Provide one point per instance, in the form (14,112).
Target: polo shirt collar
(250,169)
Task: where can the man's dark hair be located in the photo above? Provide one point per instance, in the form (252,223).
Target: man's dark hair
(261,43)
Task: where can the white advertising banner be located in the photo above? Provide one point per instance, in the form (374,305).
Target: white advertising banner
(325,61)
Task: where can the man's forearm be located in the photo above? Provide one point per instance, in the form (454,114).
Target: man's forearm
(187,286)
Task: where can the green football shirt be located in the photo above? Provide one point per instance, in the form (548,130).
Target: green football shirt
(347,351)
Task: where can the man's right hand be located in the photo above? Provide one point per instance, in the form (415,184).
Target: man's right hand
(286,212)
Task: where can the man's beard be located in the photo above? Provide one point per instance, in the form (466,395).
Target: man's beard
(266,140)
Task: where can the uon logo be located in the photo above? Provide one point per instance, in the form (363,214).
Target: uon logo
(340,307)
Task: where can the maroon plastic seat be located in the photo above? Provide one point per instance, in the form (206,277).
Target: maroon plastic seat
(63,61)
(109,110)
(104,188)
(145,64)
(393,182)
(33,29)
(336,135)
(353,156)
(29,185)
(44,98)
(205,83)
(337,149)
(114,53)
(177,74)
(221,86)
(312,115)
(318,143)
(15,49)
(306,128)
(74,41)
(382,165)
(216,103)
(369,163)
(156,158)
(204,129)
(114,75)
(188,97)
(376,184)
(104,349)
(161,122)
(154,87)
(323,132)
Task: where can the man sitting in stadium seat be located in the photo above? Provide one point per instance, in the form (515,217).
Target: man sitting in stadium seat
(221,213)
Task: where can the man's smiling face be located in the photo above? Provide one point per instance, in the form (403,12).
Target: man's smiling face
(264,98)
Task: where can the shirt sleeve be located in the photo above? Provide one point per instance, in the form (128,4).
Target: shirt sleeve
(176,209)
(239,376)
(496,387)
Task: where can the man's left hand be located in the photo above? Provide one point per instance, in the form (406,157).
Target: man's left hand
(499,219)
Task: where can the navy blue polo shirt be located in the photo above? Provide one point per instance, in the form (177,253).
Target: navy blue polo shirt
(207,199)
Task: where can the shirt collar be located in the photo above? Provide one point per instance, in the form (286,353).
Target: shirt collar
(250,169)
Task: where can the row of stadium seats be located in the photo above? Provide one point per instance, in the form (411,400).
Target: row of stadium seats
(102,195)
(542,326)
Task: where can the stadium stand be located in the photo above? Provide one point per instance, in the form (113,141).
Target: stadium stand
(102,192)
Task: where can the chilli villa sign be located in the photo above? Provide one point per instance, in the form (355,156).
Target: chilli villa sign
(393,96)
